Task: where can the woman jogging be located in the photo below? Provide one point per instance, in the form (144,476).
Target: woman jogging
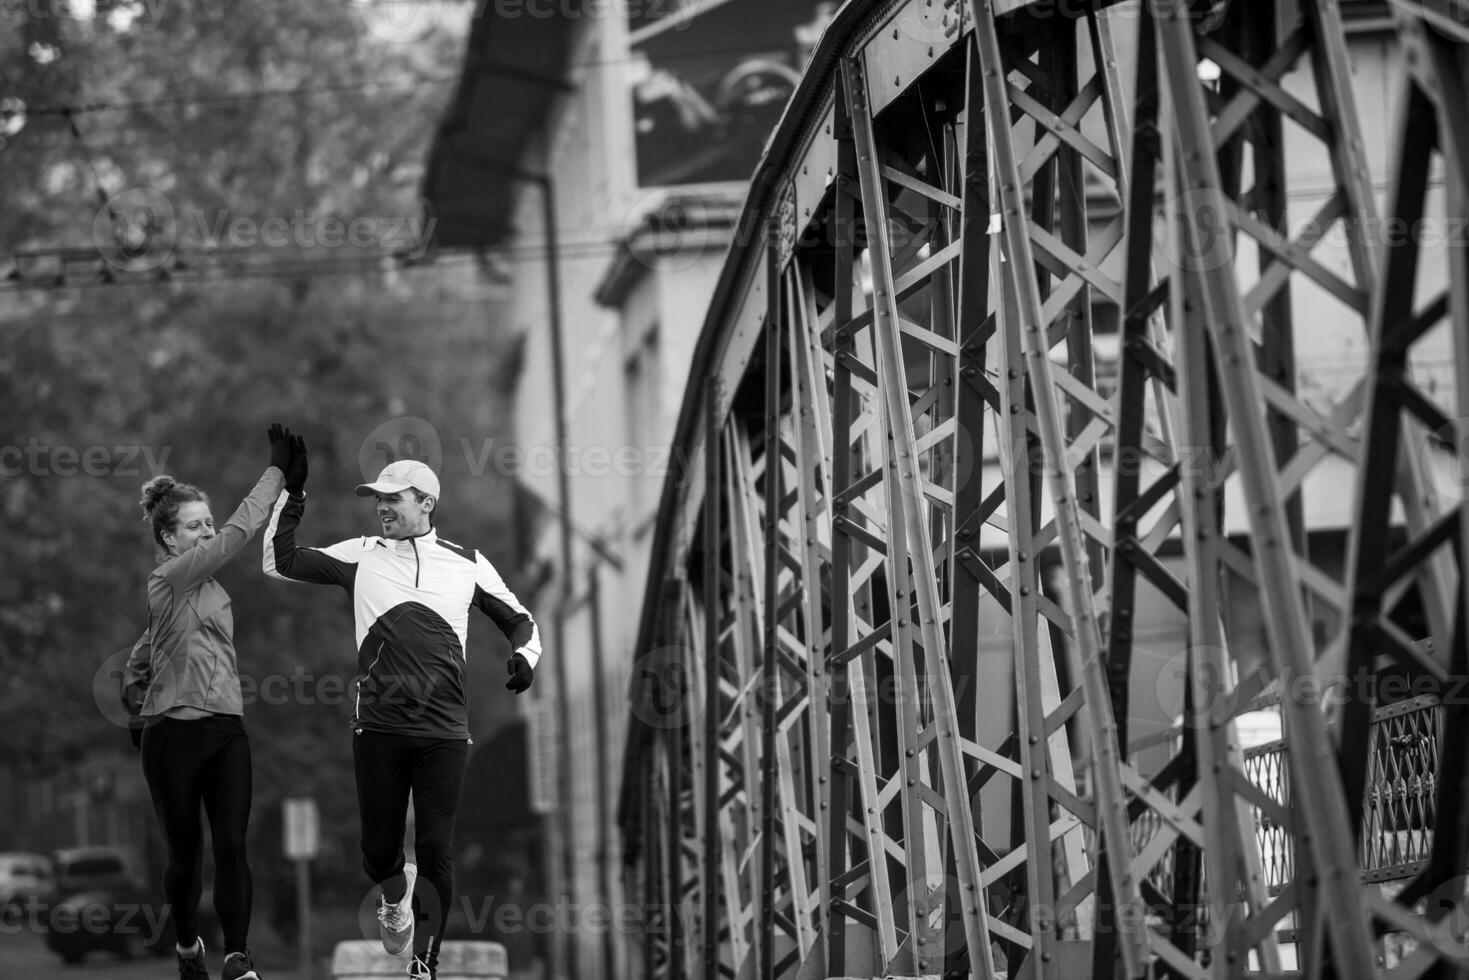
(194,747)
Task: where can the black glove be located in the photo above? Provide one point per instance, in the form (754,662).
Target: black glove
(280,445)
(296,467)
(521,673)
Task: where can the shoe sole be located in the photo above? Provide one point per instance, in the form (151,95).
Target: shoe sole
(391,944)
(396,943)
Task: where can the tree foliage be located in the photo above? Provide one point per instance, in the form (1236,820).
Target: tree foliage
(106,385)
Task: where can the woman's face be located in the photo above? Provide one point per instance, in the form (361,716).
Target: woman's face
(194,524)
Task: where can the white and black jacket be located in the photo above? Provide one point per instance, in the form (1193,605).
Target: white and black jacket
(410,603)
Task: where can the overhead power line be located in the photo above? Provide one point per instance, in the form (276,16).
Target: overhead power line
(52,270)
(255,95)
(59,269)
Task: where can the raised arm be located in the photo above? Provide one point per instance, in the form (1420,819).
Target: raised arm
(194,566)
(283,559)
(190,569)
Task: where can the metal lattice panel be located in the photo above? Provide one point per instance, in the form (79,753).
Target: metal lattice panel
(932,513)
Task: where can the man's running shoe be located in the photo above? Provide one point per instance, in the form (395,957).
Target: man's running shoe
(395,922)
(191,965)
(238,966)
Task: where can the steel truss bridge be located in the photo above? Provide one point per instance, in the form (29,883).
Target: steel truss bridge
(886,726)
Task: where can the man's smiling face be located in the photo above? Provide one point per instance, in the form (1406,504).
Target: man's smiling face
(403,514)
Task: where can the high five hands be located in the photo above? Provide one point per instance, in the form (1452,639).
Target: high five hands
(288,453)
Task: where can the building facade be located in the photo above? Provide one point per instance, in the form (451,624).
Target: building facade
(618,139)
(621,174)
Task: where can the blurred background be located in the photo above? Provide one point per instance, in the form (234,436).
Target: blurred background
(483,234)
(405,230)
(216,127)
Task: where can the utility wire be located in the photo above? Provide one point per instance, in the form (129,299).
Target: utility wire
(254,95)
(36,268)
(105,275)
(195,269)
(202,256)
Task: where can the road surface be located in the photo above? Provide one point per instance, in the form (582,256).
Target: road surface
(24,956)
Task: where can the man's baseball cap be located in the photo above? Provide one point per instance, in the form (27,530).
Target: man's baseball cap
(402,475)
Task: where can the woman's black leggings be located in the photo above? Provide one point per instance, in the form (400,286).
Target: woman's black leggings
(188,763)
(389,768)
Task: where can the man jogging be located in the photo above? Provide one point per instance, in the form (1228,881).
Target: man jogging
(411,594)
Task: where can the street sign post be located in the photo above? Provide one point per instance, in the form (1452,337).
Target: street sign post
(302,842)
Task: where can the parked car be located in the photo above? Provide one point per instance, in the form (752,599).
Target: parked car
(86,868)
(25,878)
(106,907)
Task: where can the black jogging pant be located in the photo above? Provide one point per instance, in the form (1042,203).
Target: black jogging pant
(389,768)
(189,764)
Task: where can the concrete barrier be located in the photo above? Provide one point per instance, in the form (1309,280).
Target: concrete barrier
(361,959)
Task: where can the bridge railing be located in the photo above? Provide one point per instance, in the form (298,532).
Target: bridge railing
(1398,807)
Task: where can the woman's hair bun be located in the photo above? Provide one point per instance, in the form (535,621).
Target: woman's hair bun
(155,490)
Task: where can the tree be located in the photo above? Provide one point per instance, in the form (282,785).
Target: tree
(294,320)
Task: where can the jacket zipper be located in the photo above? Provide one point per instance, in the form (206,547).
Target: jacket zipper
(416,564)
(357,700)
